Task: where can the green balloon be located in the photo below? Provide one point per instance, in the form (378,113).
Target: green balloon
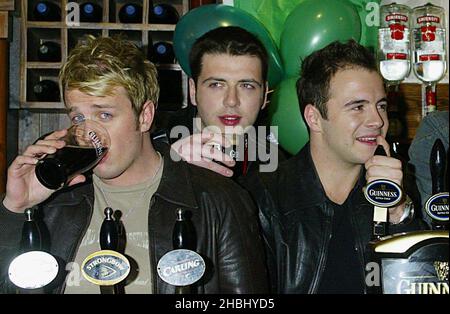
(314,24)
(284,112)
(208,17)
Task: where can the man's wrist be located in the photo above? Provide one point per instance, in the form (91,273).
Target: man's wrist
(10,207)
(408,212)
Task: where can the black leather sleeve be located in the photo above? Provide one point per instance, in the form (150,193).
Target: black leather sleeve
(266,205)
(241,262)
(10,234)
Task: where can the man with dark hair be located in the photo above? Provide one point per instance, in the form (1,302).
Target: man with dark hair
(315,219)
(228,89)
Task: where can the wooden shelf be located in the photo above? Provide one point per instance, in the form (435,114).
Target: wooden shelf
(35,32)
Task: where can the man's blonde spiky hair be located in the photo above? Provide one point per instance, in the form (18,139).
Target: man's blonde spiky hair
(96,66)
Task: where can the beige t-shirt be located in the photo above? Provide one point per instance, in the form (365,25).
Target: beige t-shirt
(133,202)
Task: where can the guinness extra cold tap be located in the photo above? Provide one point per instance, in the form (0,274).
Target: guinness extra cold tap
(437,205)
(417,262)
(382,194)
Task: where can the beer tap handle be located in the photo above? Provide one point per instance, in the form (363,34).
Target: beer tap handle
(191,265)
(31,235)
(109,235)
(183,237)
(380,214)
(438,167)
(183,232)
(109,240)
(380,151)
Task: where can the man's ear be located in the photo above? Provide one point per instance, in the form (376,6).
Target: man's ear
(147,115)
(266,93)
(313,118)
(192,91)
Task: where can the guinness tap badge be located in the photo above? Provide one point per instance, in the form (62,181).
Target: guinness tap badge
(437,207)
(181,267)
(383,193)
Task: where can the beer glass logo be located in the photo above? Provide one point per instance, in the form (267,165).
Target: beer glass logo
(99,148)
(441,270)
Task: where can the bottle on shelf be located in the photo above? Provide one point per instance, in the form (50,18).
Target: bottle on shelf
(46,90)
(130,13)
(429,51)
(393,41)
(49,51)
(91,12)
(196,3)
(47,11)
(164,13)
(162,52)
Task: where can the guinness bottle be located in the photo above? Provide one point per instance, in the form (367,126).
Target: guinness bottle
(130,13)
(162,52)
(47,11)
(91,12)
(46,90)
(49,51)
(163,13)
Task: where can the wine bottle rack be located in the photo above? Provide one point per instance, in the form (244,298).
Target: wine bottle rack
(66,33)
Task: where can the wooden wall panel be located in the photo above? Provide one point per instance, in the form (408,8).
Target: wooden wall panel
(6,5)
(33,124)
(3,24)
(412,95)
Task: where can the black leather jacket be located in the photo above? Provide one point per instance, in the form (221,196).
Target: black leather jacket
(222,213)
(296,219)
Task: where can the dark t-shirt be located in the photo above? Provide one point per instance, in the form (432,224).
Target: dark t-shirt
(342,272)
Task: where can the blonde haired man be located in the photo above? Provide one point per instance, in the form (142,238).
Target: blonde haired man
(109,81)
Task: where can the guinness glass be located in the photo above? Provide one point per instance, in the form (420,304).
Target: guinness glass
(86,144)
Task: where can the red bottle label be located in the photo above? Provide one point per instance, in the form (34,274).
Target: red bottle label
(433,57)
(397,31)
(396,55)
(428,33)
